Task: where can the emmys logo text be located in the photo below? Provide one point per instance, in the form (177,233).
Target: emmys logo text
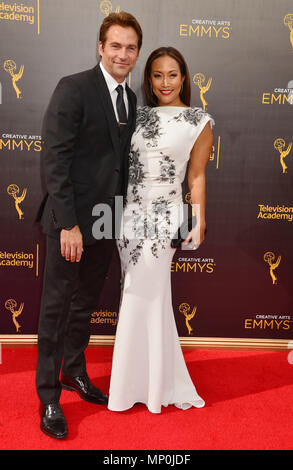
(268,322)
(279,96)
(193,265)
(206,28)
(20,142)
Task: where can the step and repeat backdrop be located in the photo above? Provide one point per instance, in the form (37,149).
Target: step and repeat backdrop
(238,284)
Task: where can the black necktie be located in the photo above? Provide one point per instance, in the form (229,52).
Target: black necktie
(121,110)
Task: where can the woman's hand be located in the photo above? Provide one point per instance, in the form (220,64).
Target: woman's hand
(196,236)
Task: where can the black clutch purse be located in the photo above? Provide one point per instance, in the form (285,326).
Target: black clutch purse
(182,232)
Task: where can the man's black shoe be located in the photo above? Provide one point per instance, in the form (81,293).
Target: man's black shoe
(53,422)
(85,389)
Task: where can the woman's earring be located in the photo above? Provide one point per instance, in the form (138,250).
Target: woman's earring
(151,89)
(181,91)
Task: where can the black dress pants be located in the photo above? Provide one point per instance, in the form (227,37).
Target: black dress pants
(71,293)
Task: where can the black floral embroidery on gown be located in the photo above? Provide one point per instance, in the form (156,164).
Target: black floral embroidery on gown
(167,170)
(161,224)
(154,225)
(150,165)
(190,115)
(148,119)
(136,173)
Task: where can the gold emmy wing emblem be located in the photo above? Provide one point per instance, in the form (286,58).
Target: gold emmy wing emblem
(185,309)
(199,79)
(13,190)
(269,258)
(11,305)
(189,201)
(188,198)
(288,21)
(279,145)
(10,67)
(106,7)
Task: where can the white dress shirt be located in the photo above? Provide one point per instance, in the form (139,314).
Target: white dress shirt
(112,85)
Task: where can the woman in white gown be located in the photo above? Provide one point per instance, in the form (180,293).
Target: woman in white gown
(148,365)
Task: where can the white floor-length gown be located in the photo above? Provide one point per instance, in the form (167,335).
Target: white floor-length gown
(148,365)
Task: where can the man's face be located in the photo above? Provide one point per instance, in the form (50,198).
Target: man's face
(120,51)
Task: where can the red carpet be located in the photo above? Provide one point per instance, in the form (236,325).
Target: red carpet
(249,406)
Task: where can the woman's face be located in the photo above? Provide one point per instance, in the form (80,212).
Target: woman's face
(166,81)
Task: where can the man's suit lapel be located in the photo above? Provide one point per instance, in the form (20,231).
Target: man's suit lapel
(108,108)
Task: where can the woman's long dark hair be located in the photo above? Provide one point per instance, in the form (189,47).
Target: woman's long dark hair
(151,99)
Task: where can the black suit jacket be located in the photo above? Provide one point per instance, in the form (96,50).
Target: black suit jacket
(81,156)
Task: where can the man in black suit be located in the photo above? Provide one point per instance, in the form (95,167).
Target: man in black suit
(87,132)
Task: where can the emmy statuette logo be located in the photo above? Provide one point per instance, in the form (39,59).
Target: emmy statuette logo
(11,305)
(269,258)
(10,67)
(185,309)
(199,79)
(188,198)
(279,145)
(106,7)
(288,21)
(13,190)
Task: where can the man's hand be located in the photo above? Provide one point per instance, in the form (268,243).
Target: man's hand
(71,244)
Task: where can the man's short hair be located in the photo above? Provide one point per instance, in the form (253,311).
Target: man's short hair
(123,19)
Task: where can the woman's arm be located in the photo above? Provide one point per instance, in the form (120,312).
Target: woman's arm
(199,158)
